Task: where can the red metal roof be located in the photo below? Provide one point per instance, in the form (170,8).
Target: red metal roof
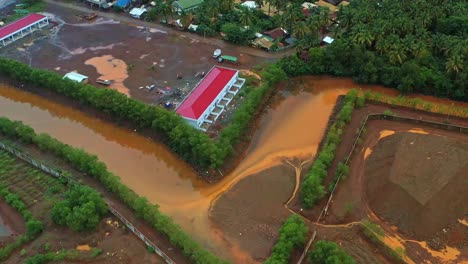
(205,92)
(19,24)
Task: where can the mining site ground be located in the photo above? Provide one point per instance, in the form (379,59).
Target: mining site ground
(409,179)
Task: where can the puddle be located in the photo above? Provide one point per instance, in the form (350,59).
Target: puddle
(112,69)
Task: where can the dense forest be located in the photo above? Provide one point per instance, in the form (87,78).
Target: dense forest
(414,46)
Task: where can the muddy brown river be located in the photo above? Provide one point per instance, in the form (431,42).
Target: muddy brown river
(292,128)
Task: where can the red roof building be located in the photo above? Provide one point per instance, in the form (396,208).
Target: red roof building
(22,27)
(215,90)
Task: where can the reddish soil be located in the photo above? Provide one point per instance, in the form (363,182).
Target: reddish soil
(394,193)
(252,211)
(418,182)
(11,219)
(118,245)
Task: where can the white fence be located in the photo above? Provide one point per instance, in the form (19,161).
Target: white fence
(60,175)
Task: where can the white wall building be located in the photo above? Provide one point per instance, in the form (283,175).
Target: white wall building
(209,98)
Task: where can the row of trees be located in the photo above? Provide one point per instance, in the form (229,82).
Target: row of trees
(33,226)
(292,235)
(81,209)
(417,46)
(312,188)
(90,165)
(327,252)
(189,143)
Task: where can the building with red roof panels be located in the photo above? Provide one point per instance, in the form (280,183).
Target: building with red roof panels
(209,98)
(21,27)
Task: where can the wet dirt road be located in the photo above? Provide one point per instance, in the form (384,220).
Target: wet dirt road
(292,128)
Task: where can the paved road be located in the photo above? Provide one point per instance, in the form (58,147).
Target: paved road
(215,41)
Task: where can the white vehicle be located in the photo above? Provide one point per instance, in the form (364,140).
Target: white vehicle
(216,53)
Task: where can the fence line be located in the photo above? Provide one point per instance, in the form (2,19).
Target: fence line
(433,124)
(60,175)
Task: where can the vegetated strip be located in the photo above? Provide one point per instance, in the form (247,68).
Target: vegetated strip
(329,252)
(33,226)
(417,104)
(375,234)
(292,234)
(312,188)
(190,144)
(90,165)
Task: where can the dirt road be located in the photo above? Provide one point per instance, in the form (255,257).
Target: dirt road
(214,41)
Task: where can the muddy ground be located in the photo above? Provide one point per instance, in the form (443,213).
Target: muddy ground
(403,174)
(251,212)
(12,221)
(132,56)
(423,179)
(118,244)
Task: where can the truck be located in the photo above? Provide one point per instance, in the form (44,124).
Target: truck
(227,58)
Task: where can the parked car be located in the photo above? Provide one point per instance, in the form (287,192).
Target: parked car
(216,53)
(104,82)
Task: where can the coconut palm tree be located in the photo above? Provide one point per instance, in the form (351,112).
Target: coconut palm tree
(300,30)
(166,9)
(454,64)
(246,15)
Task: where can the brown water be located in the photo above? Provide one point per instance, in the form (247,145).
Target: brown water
(292,128)
(111,69)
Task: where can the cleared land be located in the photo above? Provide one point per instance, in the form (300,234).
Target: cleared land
(118,245)
(408,179)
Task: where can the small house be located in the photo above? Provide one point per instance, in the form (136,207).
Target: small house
(263,43)
(277,33)
(123,3)
(182,6)
(76,77)
(249,4)
(137,12)
(327,40)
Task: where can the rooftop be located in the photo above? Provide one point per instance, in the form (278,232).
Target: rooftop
(186,4)
(19,24)
(206,91)
(74,76)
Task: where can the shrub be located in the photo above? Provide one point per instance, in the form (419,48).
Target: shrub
(90,165)
(33,226)
(326,252)
(312,188)
(82,209)
(292,235)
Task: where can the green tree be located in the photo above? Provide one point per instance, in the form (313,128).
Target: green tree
(326,252)
(81,209)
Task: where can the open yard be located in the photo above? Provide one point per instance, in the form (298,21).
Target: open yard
(109,243)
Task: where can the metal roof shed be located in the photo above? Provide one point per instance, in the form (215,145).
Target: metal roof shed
(76,77)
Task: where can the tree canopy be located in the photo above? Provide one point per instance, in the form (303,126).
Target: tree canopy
(415,46)
(326,252)
(82,209)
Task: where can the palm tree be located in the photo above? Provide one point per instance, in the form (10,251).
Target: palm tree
(397,54)
(212,9)
(300,30)
(166,10)
(246,15)
(224,5)
(363,37)
(292,14)
(454,64)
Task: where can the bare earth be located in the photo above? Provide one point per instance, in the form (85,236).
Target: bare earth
(252,211)
(418,182)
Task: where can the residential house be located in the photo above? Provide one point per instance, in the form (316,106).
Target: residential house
(276,34)
(182,6)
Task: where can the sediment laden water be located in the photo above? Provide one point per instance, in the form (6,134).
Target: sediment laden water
(292,128)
